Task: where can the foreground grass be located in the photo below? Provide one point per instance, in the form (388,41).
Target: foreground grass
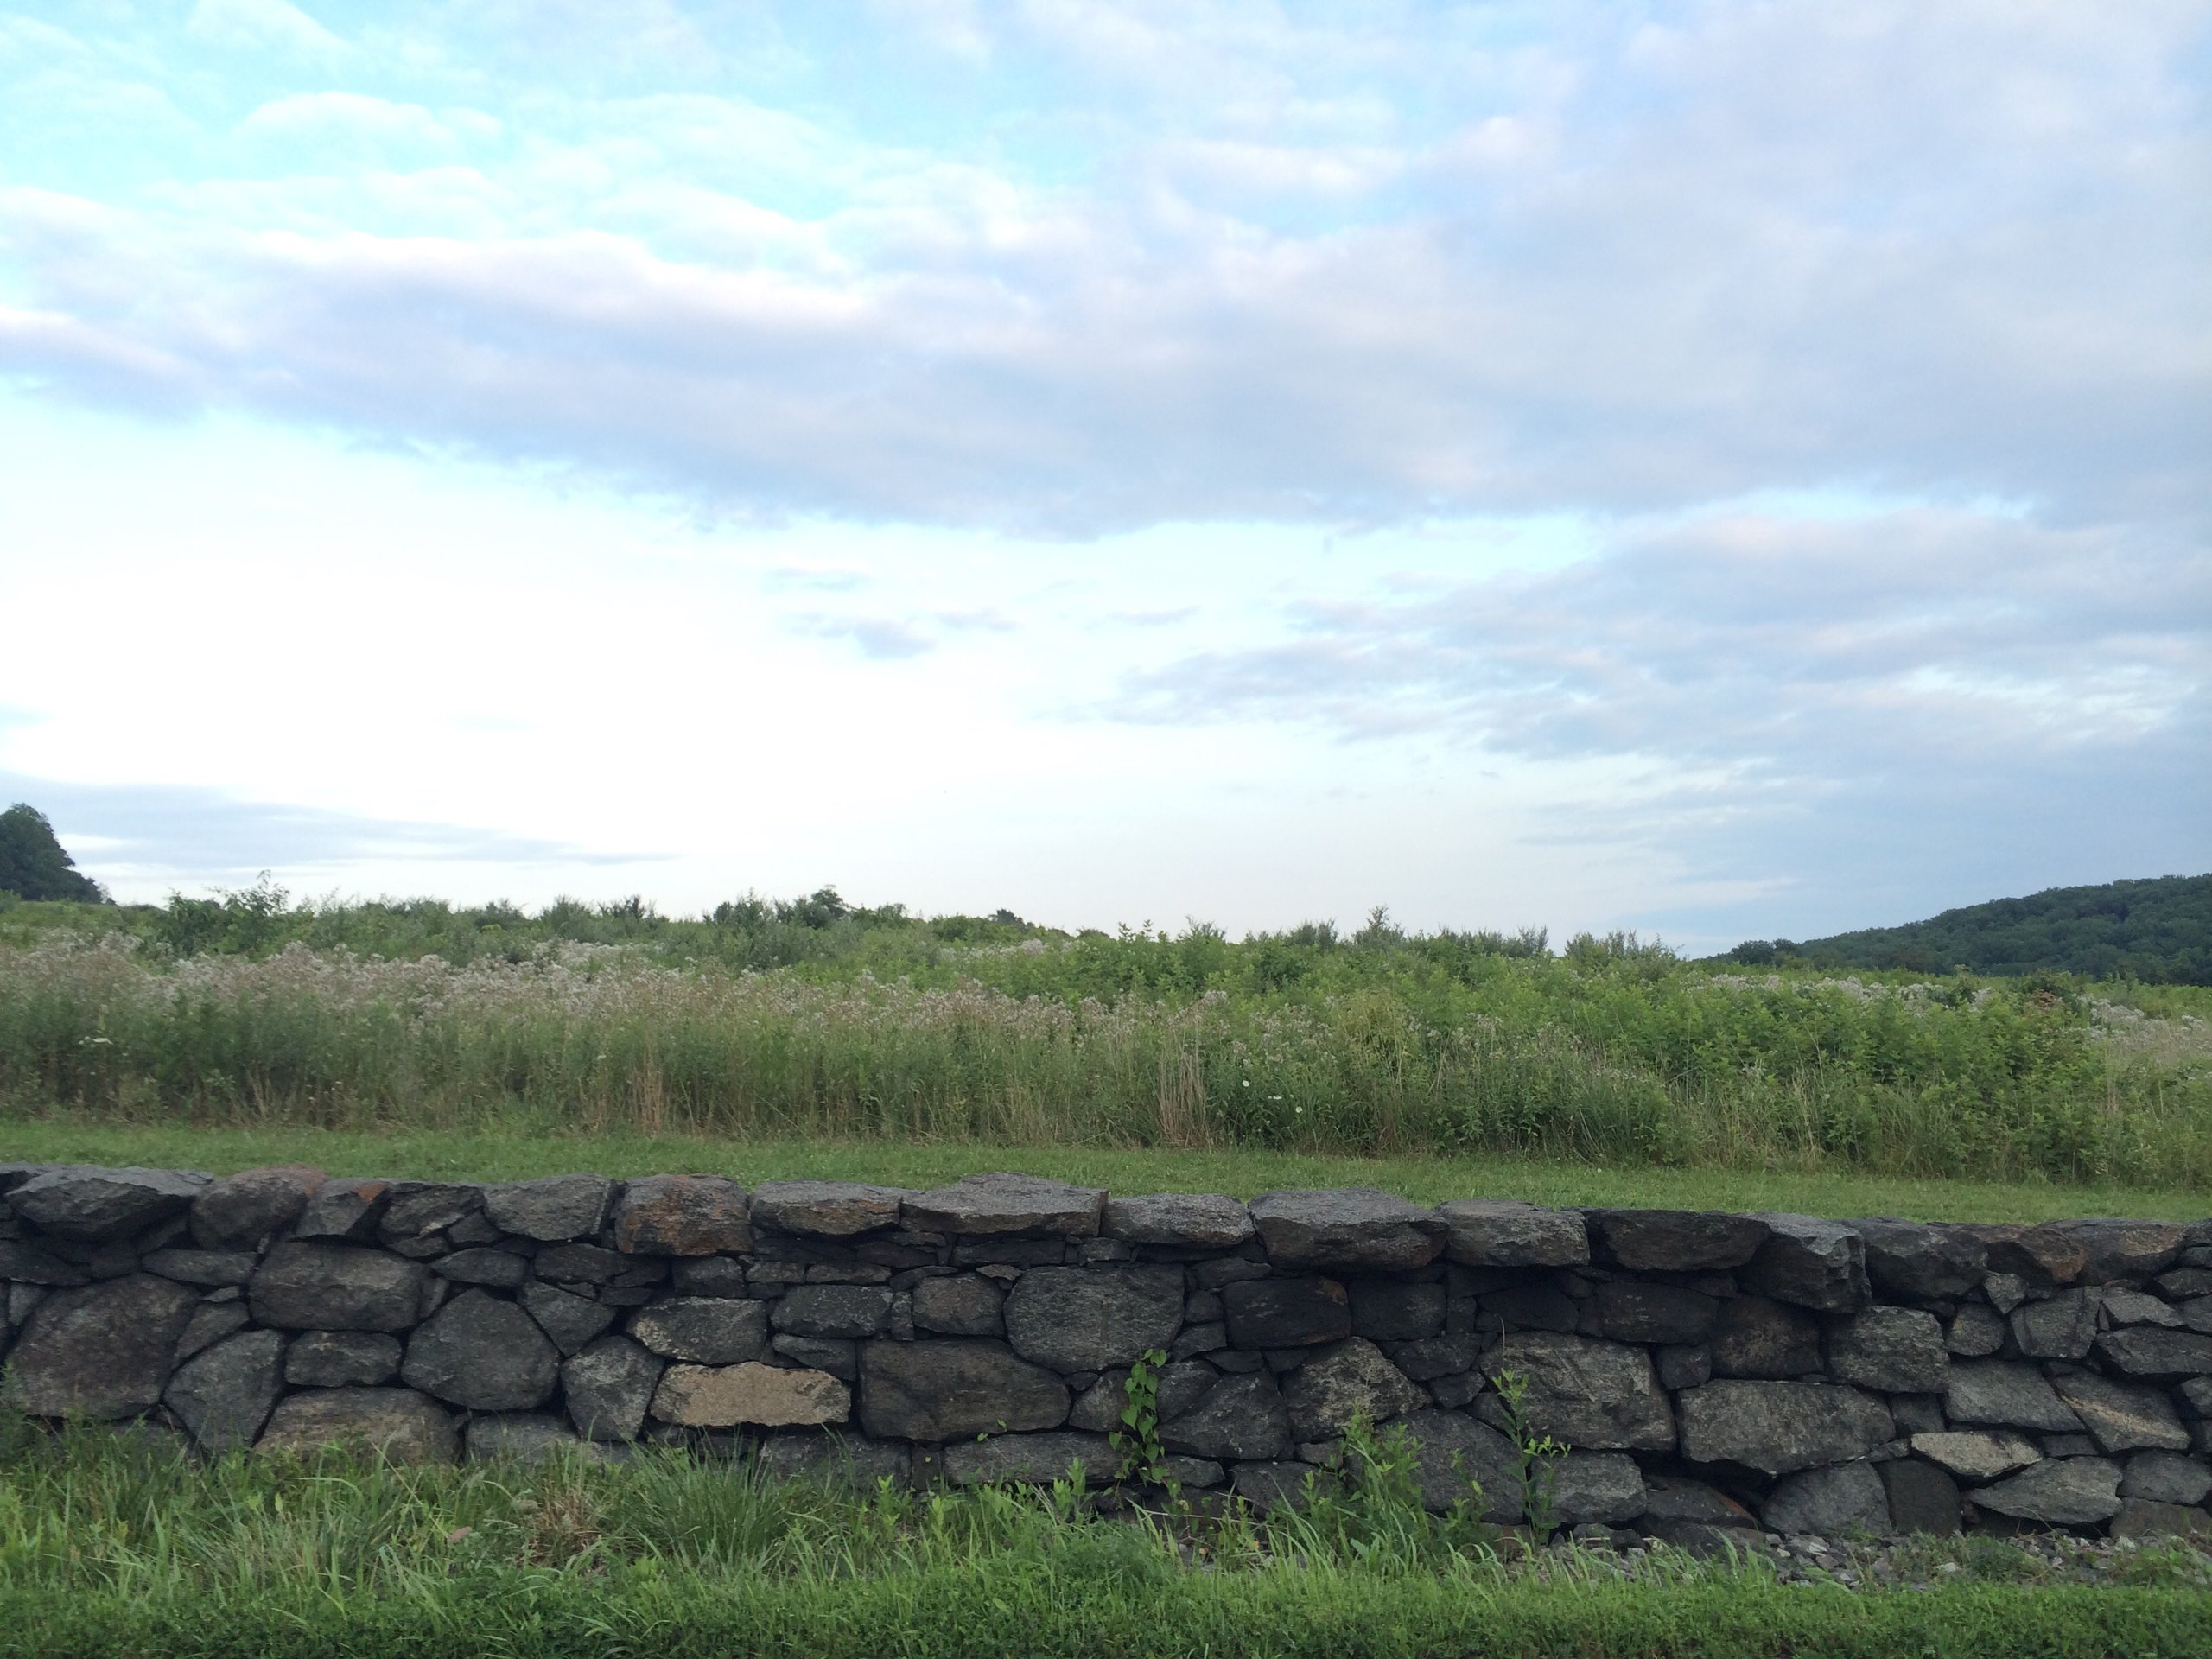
(109,1549)
(517,1150)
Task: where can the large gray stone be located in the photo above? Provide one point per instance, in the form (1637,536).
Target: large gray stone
(826,1209)
(2122,1416)
(1396,1310)
(2117,1248)
(317,1287)
(682,1215)
(1506,1233)
(1088,1319)
(1003,1205)
(1976,1330)
(2040,1255)
(727,1396)
(417,1210)
(1595,1396)
(1269,1485)
(1757,1336)
(2165,1478)
(2139,1517)
(1812,1263)
(101,1350)
(848,1310)
(1893,1350)
(1841,1498)
(1978,1454)
(1353,1378)
(1634,1309)
(499,1269)
(1673,1241)
(2126,1306)
(482,1353)
(1210,1221)
(1451,1355)
(212,1269)
(398,1423)
(1914,1262)
(2007,1394)
(1031,1460)
(252,1209)
(1289,1312)
(2062,1327)
(25,1264)
(607,1388)
(1922,1497)
(340,1359)
(832,1459)
(527,1437)
(581,1264)
(92,1205)
(704,1330)
(965,1305)
(953,1390)
(210,1322)
(224,1394)
(572,1321)
(1780,1427)
(1675,1499)
(2146,1351)
(345,1209)
(1537,1307)
(1238,1417)
(1604,1487)
(1346,1227)
(1455,1456)
(2060,1491)
(551,1210)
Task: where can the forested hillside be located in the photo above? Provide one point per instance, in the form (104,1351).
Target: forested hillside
(2160,930)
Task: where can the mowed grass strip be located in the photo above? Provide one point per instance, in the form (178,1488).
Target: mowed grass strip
(520,1149)
(1311,1613)
(108,1546)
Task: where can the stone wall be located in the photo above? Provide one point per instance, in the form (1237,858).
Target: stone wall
(1709,1370)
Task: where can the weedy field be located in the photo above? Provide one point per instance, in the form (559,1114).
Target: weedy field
(809,1021)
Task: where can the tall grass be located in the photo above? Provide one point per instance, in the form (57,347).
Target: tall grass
(1608,1053)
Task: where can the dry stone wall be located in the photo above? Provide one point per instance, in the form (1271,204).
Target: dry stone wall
(1709,1371)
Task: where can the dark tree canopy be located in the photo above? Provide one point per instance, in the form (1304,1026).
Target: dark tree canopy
(2159,930)
(33,864)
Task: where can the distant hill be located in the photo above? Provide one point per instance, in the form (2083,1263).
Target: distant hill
(2159,930)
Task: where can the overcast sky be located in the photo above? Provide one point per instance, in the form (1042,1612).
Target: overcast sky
(1723,470)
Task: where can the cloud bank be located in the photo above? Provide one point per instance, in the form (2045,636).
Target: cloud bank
(1637,260)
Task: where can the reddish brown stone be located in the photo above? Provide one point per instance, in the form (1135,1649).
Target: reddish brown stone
(683,1215)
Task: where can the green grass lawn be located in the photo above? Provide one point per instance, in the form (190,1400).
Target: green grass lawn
(515,1152)
(111,1546)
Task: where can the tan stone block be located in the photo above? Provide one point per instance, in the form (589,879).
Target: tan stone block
(722,1396)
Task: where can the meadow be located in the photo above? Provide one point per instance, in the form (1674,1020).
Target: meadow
(811,1023)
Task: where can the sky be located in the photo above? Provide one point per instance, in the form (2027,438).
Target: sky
(1722,470)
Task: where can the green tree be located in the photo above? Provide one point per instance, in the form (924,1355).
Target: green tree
(33,864)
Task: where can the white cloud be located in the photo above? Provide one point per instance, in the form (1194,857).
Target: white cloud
(1780,250)
(261,24)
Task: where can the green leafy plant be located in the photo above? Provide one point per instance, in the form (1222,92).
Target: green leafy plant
(1143,1457)
(1536,1457)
